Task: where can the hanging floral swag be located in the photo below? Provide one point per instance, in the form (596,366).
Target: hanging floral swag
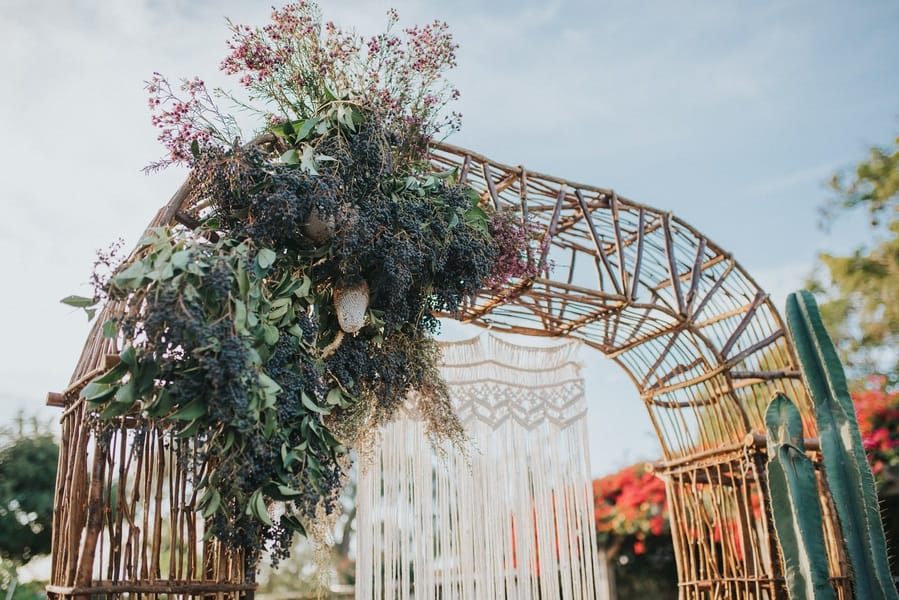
(297,314)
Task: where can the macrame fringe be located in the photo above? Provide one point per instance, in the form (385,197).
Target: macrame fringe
(513,520)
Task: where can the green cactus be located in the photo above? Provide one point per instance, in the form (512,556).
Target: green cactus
(845,466)
(794,504)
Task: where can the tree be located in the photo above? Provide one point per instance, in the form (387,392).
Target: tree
(862,313)
(28,462)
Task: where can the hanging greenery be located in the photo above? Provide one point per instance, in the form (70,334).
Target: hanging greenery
(297,316)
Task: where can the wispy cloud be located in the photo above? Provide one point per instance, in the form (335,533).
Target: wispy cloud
(783,182)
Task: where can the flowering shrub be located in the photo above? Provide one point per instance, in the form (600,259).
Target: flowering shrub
(878,421)
(629,506)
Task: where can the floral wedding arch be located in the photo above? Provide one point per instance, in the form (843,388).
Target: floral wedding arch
(242,346)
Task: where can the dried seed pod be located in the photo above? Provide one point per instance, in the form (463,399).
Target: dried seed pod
(351,304)
(319,228)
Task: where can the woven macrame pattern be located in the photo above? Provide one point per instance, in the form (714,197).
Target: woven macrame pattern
(511,520)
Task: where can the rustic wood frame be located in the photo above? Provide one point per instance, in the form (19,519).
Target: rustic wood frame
(701,341)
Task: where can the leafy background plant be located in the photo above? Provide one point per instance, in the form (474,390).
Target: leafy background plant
(28,456)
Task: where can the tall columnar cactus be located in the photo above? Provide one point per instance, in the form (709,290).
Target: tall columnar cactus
(847,472)
(794,504)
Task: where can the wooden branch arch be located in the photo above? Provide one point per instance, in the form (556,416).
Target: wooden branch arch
(694,332)
(700,340)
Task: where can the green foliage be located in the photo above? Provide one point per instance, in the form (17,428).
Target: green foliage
(874,186)
(849,477)
(863,312)
(794,503)
(9,582)
(28,462)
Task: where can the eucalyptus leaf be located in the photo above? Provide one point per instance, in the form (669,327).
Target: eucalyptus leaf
(180,259)
(190,411)
(213,504)
(129,357)
(308,160)
(113,375)
(240,317)
(305,287)
(115,409)
(266,257)
(307,128)
(256,507)
(290,157)
(159,405)
(292,522)
(308,403)
(190,429)
(335,397)
(126,394)
(270,332)
(79,301)
(131,277)
(110,329)
(288,492)
(98,392)
(322,127)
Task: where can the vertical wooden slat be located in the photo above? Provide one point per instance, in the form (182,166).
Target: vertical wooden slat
(601,257)
(491,185)
(696,275)
(638,255)
(616,226)
(672,264)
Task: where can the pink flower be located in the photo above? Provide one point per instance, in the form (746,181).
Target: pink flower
(512,237)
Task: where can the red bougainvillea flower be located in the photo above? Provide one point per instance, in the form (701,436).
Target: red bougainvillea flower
(878,421)
(630,504)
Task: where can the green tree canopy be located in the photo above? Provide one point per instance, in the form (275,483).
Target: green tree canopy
(28,459)
(862,309)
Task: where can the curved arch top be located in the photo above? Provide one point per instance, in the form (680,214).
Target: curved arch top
(701,341)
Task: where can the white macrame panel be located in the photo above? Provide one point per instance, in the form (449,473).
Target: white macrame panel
(514,520)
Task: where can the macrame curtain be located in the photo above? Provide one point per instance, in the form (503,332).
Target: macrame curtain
(514,519)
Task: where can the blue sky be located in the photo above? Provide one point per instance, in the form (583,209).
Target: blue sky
(732,115)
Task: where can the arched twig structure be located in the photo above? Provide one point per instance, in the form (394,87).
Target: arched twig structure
(701,342)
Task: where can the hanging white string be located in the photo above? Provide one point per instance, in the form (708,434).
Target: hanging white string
(513,520)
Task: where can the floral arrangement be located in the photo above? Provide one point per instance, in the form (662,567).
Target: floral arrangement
(296,316)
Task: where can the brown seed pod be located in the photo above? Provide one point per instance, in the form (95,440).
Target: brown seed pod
(351,305)
(319,229)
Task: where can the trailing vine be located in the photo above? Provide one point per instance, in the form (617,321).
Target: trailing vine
(297,316)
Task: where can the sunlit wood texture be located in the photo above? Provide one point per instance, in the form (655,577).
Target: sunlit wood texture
(702,343)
